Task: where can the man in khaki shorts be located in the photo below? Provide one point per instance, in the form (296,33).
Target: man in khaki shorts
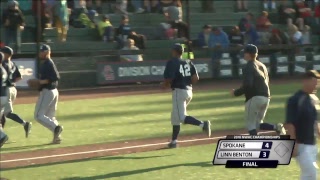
(255,87)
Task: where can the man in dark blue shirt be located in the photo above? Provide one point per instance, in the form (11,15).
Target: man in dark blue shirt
(48,100)
(302,125)
(179,75)
(3,98)
(14,76)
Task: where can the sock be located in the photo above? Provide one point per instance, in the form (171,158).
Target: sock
(16,118)
(267,126)
(193,121)
(175,133)
(201,125)
(265,5)
(253,132)
(273,5)
(3,121)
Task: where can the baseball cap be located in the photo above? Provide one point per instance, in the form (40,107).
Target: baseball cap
(251,49)
(178,47)
(1,56)
(7,50)
(312,74)
(45,47)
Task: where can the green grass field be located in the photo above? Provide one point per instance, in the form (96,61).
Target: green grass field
(137,117)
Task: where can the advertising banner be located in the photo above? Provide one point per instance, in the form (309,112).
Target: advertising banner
(27,68)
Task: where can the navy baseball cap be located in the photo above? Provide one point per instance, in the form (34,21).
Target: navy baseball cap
(312,74)
(1,56)
(178,47)
(251,49)
(44,47)
(7,50)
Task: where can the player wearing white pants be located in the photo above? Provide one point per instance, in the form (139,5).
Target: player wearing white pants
(3,98)
(180,100)
(307,160)
(45,110)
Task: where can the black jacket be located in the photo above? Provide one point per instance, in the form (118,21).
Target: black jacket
(15,18)
(255,81)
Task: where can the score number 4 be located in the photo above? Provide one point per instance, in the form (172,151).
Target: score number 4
(266,145)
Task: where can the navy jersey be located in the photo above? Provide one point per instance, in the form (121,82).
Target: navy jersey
(49,71)
(3,81)
(12,71)
(180,72)
(302,114)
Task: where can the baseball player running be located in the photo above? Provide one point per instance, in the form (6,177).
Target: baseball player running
(46,106)
(179,75)
(255,87)
(14,76)
(302,125)
(3,98)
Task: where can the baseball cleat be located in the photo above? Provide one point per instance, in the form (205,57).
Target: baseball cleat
(57,131)
(207,128)
(3,140)
(172,145)
(56,141)
(280,129)
(27,128)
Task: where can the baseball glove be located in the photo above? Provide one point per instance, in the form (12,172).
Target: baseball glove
(34,84)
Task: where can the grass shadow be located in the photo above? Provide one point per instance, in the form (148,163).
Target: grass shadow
(123,174)
(24,147)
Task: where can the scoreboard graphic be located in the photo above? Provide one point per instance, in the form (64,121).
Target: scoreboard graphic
(254,151)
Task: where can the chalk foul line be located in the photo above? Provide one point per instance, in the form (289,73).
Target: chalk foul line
(116,149)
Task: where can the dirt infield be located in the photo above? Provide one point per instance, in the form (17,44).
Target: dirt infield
(12,160)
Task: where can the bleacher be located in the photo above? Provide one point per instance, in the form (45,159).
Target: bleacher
(86,40)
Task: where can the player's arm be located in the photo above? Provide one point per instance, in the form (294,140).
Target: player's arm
(194,74)
(291,118)
(168,75)
(247,82)
(16,74)
(50,75)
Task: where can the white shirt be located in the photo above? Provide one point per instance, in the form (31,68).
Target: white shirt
(133,57)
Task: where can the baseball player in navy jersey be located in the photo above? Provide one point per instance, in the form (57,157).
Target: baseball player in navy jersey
(179,75)
(48,100)
(3,98)
(14,76)
(255,87)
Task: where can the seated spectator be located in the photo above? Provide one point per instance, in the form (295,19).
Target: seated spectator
(304,14)
(121,7)
(134,57)
(50,9)
(317,13)
(236,39)
(249,19)
(85,19)
(137,4)
(96,5)
(269,5)
(218,42)
(242,5)
(251,35)
(207,6)
(286,13)
(105,28)
(275,37)
(165,4)
(306,35)
(61,15)
(294,34)
(203,37)
(43,20)
(263,22)
(12,21)
(151,5)
(174,18)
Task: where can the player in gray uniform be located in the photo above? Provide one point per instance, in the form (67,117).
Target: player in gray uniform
(255,87)
(3,98)
(48,100)
(14,76)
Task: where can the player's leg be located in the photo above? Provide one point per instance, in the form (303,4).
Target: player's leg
(3,120)
(307,162)
(51,113)
(250,116)
(3,136)
(175,121)
(45,99)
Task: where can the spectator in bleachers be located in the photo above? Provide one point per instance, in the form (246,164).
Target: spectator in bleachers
(43,17)
(207,6)
(306,35)
(236,39)
(94,5)
(317,13)
(204,36)
(174,18)
(130,45)
(269,5)
(123,31)
(137,4)
(61,15)
(218,41)
(304,14)
(165,4)
(85,19)
(275,37)
(294,34)
(249,19)
(105,29)
(286,12)
(25,5)
(13,22)
(50,9)
(151,5)
(121,7)
(263,23)
(242,5)
(251,35)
